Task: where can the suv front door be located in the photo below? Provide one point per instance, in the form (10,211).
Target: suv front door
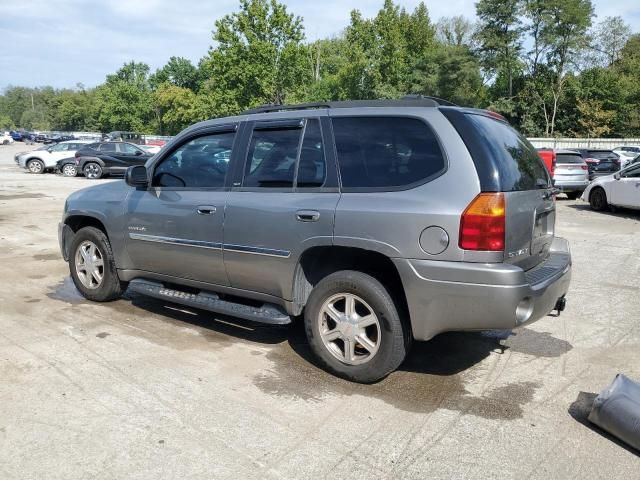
(174,227)
(282,202)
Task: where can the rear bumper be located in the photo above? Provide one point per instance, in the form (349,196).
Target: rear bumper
(571,186)
(446,296)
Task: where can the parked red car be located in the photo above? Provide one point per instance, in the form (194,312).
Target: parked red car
(548,156)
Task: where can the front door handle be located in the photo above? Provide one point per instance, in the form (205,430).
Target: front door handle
(307,215)
(206,210)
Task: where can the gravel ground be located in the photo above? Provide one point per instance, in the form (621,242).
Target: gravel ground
(139,388)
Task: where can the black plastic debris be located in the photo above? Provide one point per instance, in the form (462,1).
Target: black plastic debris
(617,410)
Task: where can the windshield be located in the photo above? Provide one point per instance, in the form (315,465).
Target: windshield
(569,158)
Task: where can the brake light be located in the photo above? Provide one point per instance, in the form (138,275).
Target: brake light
(482,226)
(584,167)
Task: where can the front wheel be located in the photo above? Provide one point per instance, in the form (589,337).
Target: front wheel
(35,166)
(598,200)
(92,266)
(354,328)
(92,170)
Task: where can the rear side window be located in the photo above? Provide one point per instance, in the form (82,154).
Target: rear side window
(569,158)
(272,158)
(517,162)
(602,154)
(386,152)
(107,147)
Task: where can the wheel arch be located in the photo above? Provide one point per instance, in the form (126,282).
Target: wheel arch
(75,222)
(317,262)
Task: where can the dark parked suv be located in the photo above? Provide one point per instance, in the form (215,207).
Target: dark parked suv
(380,222)
(100,159)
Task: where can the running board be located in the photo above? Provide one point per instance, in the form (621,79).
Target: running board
(210,301)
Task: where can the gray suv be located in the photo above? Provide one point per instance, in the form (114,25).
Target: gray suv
(378,222)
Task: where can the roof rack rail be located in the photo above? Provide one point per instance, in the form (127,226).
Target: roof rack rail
(406,101)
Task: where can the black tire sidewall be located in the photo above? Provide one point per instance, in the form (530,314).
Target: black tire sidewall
(393,347)
(602,203)
(110,289)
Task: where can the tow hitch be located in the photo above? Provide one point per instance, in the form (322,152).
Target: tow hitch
(561,304)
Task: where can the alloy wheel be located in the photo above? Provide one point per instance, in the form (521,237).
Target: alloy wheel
(349,328)
(89,265)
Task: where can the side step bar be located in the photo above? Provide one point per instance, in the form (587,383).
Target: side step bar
(267,313)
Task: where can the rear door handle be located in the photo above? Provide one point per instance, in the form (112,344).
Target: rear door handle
(307,215)
(206,210)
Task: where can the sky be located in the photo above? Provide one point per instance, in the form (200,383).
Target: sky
(65,42)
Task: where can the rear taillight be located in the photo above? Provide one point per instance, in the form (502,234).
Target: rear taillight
(584,167)
(77,154)
(482,226)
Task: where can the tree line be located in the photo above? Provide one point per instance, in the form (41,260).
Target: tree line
(543,64)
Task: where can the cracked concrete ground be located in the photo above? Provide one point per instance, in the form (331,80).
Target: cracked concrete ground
(139,388)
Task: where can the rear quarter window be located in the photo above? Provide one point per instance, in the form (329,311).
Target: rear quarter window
(386,153)
(517,162)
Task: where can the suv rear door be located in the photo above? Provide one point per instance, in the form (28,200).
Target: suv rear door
(506,162)
(282,202)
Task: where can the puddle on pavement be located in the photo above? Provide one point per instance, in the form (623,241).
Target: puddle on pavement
(47,256)
(67,292)
(431,378)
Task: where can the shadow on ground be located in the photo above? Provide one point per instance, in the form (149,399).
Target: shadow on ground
(433,376)
(616,212)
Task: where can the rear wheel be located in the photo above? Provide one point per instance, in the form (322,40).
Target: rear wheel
(69,170)
(35,166)
(354,328)
(92,266)
(92,170)
(598,199)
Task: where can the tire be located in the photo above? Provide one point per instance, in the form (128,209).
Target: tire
(387,340)
(598,199)
(5,142)
(35,166)
(69,170)
(92,170)
(573,195)
(106,288)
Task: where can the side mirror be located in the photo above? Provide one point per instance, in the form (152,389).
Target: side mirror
(136,176)
(138,152)
(617,176)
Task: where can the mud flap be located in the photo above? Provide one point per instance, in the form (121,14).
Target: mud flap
(617,410)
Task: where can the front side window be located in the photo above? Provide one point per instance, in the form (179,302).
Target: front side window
(271,160)
(386,152)
(633,172)
(200,163)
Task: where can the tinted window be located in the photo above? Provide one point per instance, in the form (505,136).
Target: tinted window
(633,172)
(519,165)
(379,152)
(201,163)
(311,169)
(271,160)
(569,158)
(128,148)
(107,147)
(601,154)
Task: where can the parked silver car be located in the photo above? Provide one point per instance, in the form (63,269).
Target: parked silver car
(571,174)
(45,158)
(380,222)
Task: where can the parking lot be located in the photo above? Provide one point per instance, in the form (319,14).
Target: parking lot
(139,388)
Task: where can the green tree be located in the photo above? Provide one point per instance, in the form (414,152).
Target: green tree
(178,71)
(609,38)
(176,107)
(500,34)
(259,58)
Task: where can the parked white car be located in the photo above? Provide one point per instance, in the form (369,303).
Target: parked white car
(627,153)
(5,138)
(621,189)
(44,159)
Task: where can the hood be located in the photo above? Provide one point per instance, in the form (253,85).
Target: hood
(108,192)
